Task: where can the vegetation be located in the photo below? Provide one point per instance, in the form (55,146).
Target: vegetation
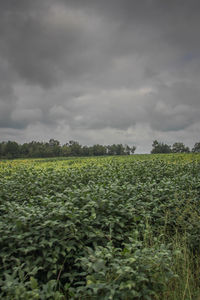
(160,148)
(196,147)
(123,227)
(177,147)
(53,148)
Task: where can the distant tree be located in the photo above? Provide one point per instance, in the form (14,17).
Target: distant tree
(24,150)
(127,150)
(155,146)
(180,148)
(133,148)
(196,147)
(43,150)
(65,150)
(75,148)
(119,149)
(55,148)
(2,149)
(160,147)
(111,149)
(115,149)
(85,151)
(34,150)
(12,149)
(98,150)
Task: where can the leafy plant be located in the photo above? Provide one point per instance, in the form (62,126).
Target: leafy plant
(100,228)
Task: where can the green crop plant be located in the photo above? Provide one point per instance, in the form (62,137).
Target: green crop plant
(100,228)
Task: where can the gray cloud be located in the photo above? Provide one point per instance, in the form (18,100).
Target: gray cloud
(100,71)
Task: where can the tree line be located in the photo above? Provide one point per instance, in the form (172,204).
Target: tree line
(158,147)
(53,148)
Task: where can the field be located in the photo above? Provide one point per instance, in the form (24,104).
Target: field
(100,228)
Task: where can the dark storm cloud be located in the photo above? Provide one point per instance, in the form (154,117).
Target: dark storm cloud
(34,48)
(99,69)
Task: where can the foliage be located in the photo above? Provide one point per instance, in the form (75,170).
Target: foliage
(160,147)
(54,149)
(196,147)
(180,148)
(100,228)
(177,147)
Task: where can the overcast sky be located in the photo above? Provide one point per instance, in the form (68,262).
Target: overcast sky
(100,71)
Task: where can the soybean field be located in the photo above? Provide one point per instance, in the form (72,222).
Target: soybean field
(124,227)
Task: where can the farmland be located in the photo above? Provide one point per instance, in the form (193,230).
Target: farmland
(123,227)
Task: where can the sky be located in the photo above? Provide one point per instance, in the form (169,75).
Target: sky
(109,71)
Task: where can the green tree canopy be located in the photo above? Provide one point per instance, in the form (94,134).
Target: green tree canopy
(180,148)
(160,147)
(196,147)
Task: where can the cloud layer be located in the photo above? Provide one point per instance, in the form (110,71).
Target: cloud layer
(118,71)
